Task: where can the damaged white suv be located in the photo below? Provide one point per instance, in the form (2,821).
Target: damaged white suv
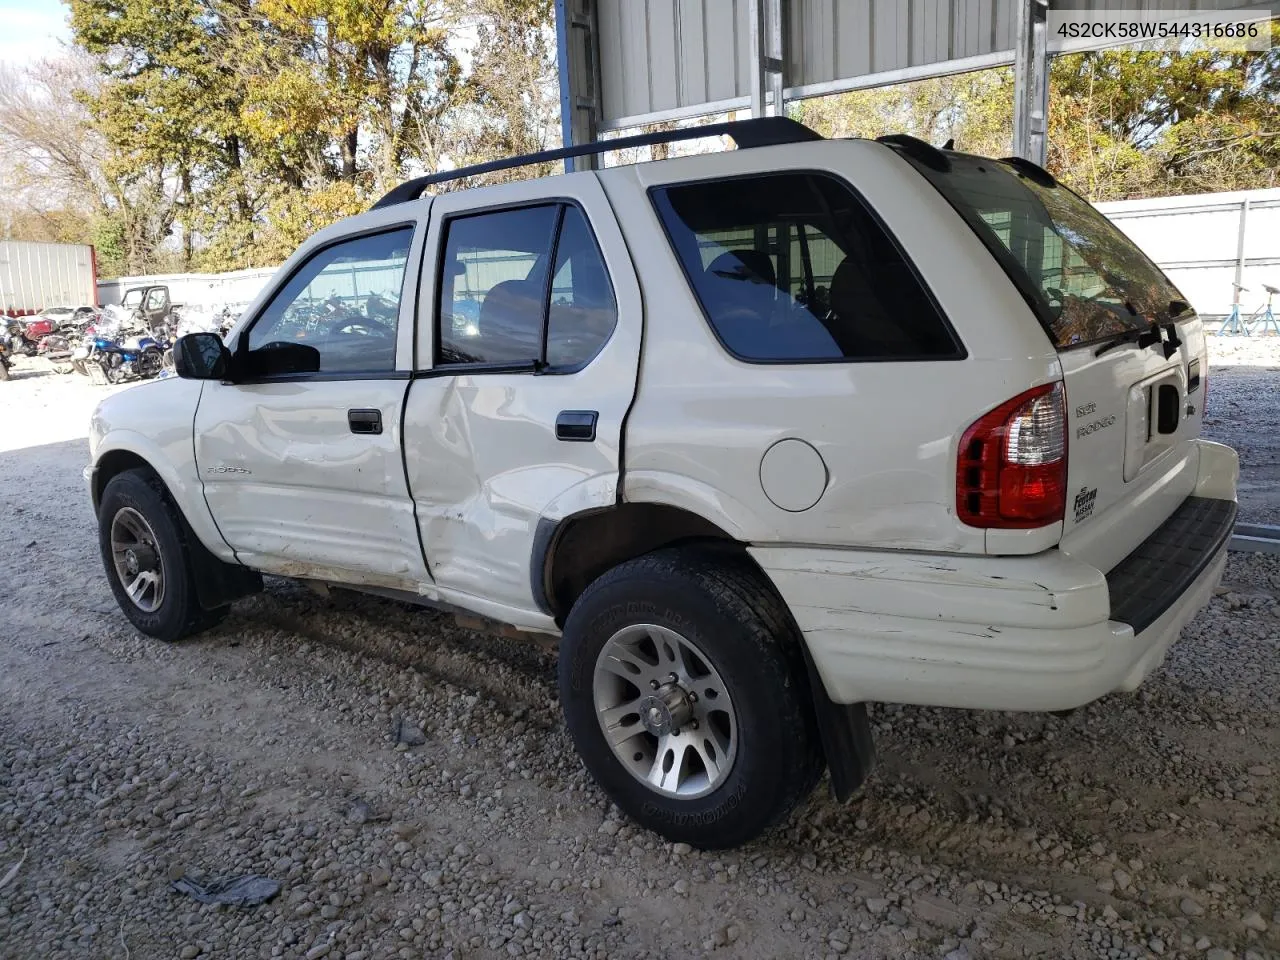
(762,436)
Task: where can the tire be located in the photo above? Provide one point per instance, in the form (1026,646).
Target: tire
(151,362)
(4,371)
(137,508)
(714,605)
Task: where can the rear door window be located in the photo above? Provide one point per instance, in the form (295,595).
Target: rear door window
(793,267)
(583,312)
(496,305)
(494,285)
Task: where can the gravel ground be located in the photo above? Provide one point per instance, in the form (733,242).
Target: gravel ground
(1144,825)
(1244,412)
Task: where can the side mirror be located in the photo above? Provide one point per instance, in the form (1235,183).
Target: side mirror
(201,356)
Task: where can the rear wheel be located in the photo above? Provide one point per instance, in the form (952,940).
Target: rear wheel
(151,362)
(147,559)
(684,689)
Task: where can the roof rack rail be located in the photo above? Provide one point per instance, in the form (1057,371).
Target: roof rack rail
(756,132)
(925,152)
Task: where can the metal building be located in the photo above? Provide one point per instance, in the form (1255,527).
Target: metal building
(624,63)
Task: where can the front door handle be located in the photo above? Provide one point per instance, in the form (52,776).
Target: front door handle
(364,421)
(579,425)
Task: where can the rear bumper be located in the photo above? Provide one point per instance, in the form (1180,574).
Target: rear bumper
(1005,633)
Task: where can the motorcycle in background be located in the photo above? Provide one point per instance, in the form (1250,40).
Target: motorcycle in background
(6,354)
(19,343)
(67,321)
(198,318)
(113,353)
(55,346)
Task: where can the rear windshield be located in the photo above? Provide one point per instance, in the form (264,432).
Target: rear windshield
(1085,279)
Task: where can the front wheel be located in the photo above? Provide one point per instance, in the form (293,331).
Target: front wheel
(684,689)
(4,371)
(147,560)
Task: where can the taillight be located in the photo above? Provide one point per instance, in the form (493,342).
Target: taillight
(1011,471)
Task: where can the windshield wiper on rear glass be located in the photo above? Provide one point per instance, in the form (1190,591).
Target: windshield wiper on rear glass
(1143,338)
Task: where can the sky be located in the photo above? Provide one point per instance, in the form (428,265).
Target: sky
(31,29)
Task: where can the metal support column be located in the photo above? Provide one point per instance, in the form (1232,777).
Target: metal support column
(1244,220)
(1031,82)
(578,51)
(767,59)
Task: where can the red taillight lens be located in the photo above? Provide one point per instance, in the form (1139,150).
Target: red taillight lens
(1012,467)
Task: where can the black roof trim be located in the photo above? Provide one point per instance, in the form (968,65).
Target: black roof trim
(1032,171)
(756,132)
(926,153)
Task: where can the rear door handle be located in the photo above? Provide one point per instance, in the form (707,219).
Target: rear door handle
(577,425)
(364,421)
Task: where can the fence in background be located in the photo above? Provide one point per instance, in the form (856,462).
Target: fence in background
(1203,241)
(234,289)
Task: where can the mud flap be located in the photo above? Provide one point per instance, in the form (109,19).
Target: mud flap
(846,736)
(218,583)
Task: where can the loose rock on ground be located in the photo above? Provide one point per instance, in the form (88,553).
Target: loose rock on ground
(1141,826)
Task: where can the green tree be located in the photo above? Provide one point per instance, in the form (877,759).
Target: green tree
(231,129)
(1126,123)
(508,104)
(1122,123)
(64,180)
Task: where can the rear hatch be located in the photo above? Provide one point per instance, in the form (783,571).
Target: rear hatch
(1132,350)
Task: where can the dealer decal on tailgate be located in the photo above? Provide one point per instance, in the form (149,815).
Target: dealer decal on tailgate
(1084,503)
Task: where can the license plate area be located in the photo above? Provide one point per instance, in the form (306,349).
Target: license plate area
(1155,414)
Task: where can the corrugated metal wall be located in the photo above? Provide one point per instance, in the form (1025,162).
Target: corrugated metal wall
(840,39)
(663,58)
(660,54)
(35,276)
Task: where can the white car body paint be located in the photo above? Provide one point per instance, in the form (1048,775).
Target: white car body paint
(295,490)
(153,421)
(482,454)
(896,597)
(887,432)
(995,633)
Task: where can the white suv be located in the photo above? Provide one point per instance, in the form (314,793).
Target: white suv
(761,436)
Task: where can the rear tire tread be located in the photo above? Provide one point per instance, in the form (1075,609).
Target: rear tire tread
(739,594)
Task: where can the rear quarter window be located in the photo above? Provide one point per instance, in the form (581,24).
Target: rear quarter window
(793,268)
